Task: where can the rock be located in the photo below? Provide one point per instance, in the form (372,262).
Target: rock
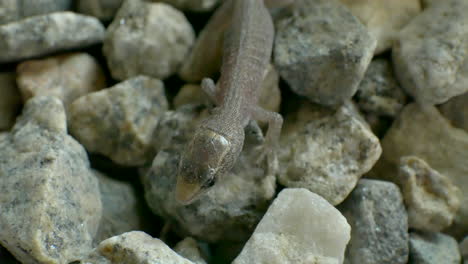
(456,110)
(102,9)
(10,101)
(425,133)
(190,94)
(66,77)
(433,248)
(379,92)
(464,250)
(375,211)
(431,199)
(57,220)
(384,19)
(120,122)
(431,54)
(147,38)
(326,151)
(41,35)
(299,227)
(13,10)
(192,5)
(322,51)
(230,210)
(188,248)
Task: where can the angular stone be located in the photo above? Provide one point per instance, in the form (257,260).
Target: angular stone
(431,55)
(299,227)
(383,18)
(13,10)
(66,77)
(379,224)
(456,110)
(433,248)
(192,5)
(10,100)
(189,249)
(464,250)
(322,51)
(41,35)
(102,9)
(147,38)
(120,122)
(431,198)
(57,220)
(326,151)
(379,92)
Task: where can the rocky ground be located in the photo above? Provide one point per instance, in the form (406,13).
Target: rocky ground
(99,97)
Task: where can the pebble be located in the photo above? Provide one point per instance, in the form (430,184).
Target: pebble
(57,220)
(14,10)
(432,200)
(45,34)
(189,249)
(326,151)
(299,227)
(10,101)
(433,248)
(120,122)
(322,51)
(147,39)
(193,5)
(431,53)
(102,9)
(456,110)
(379,224)
(384,19)
(66,76)
(464,250)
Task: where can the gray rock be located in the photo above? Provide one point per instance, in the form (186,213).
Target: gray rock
(433,248)
(432,200)
(322,51)
(57,220)
(379,224)
(431,54)
(299,227)
(66,77)
(41,35)
(120,122)
(379,92)
(189,249)
(456,110)
(147,38)
(102,9)
(464,250)
(13,10)
(326,151)
(192,5)
(10,100)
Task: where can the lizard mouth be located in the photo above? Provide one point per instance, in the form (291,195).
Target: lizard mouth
(187,192)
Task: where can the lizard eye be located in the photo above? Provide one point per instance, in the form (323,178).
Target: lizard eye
(210,182)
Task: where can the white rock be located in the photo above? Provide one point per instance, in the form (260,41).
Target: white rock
(13,10)
(189,249)
(464,250)
(456,110)
(102,9)
(192,5)
(10,100)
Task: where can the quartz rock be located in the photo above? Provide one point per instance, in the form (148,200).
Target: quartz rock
(66,77)
(326,151)
(431,54)
(379,224)
(192,5)
(13,10)
(464,250)
(10,100)
(41,35)
(299,227)
(57,220)
(188,248)
(431,198)
(147,38)
(433,248)
(456,110)
(383,18)
(102,9)
(120,122)
(379,92)
(322,51)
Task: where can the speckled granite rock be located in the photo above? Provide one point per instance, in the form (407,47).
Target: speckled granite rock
(102,9)
(433,248)
(147,38)
(299,227)
(379,92)
(384,18)
(41,35)
(431,54)
(66,77)
(432,200)
(322,51)
(13,10)
(464,250)
(192,5)
(189,249)
(10,100)
(120,122)
(58,218)
(425,133)
(379,224)
(456,110)
(326,151)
